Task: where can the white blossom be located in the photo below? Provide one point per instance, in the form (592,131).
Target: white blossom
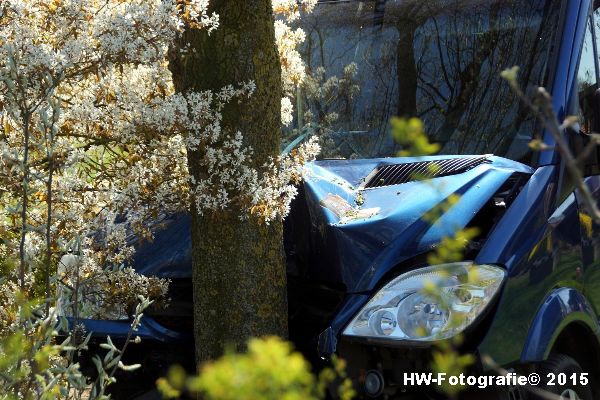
(86,83)
(287,110)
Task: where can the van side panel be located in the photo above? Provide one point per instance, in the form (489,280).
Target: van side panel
(562,307)
(540,246)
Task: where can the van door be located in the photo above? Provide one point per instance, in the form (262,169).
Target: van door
(584,104)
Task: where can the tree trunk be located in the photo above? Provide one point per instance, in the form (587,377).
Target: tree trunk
(406,68)
(238,265)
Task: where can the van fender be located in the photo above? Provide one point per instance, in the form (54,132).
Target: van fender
(561,307)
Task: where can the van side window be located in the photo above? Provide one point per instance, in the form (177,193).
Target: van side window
(585,102)
(587,84)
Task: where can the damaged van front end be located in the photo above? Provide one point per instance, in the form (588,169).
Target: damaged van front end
(357,241)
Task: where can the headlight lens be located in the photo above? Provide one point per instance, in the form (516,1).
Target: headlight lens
(431,303)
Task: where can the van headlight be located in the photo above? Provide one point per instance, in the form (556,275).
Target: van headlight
(427,304)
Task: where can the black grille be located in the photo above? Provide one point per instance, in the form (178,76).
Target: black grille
(395,174)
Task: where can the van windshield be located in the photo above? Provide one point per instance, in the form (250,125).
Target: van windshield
(439,60)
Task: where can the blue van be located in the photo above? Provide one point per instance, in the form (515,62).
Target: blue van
(356,241)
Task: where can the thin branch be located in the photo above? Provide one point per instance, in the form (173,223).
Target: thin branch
(548,118)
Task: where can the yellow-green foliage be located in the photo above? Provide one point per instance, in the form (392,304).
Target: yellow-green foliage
(31,362)
(411,135)
(447,360)
(270,370)
(451,248)
(511,75)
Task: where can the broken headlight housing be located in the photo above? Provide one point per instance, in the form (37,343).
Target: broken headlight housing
(427,304)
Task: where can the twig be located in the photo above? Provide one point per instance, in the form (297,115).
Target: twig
(548,118)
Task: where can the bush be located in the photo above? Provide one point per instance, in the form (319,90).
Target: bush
(270,370)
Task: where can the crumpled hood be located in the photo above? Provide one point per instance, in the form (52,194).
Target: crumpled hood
(357,250)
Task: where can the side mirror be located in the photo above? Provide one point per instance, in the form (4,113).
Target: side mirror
(578,141)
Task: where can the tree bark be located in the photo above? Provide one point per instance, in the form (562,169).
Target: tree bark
(238,265)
